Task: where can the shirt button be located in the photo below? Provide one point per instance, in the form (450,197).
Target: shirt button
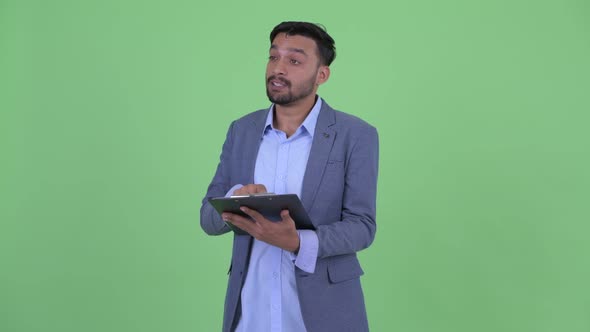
(275,275)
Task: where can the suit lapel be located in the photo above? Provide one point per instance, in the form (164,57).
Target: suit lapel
(251,142)
(323,140)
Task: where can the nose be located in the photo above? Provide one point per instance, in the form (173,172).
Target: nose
(278,67)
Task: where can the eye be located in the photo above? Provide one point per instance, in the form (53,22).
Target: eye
(272,58)
(295,62)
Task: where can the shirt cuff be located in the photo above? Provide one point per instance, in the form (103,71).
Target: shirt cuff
(234,188)
(308,250)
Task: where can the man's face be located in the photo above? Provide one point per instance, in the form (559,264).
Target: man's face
(292,69)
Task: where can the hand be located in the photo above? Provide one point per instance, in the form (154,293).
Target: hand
(250,189)
(282,234)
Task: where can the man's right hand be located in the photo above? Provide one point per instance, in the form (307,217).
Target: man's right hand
(250,189)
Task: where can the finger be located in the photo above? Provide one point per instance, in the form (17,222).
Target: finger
(252,188)
(247,189)
(285,215)
(243,223)
(253,214)
(287,220)
(260,189)
(233,218)
(241,191)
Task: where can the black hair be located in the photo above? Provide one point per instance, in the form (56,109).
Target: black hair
(325,43)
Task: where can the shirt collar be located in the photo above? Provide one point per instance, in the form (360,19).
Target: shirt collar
(308,124)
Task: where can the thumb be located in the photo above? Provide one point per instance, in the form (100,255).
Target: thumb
(285,215)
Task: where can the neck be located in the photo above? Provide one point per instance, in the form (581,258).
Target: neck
(288,118)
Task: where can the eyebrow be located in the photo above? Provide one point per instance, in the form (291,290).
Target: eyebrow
(290,49)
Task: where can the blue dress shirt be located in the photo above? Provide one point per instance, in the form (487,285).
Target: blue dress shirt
(269,295)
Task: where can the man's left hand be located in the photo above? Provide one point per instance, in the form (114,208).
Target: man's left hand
(282,234)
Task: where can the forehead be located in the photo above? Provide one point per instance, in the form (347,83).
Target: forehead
(294,43)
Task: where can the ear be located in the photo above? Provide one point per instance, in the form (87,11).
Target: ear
(323,75)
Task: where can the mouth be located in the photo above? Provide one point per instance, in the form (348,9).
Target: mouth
(277,84)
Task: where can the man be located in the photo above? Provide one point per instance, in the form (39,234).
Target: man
(281,278)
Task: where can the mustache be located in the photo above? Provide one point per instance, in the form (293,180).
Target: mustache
(275,78)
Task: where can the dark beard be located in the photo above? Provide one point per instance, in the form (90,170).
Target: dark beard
(289,97)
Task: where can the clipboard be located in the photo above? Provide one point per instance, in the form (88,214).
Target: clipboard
(269,205)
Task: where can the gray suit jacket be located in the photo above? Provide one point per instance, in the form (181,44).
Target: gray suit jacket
(339,194)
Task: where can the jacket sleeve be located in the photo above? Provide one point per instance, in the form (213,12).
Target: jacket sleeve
(210,219)
(356,228)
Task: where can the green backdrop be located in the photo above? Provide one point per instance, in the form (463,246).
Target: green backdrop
(113,112)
